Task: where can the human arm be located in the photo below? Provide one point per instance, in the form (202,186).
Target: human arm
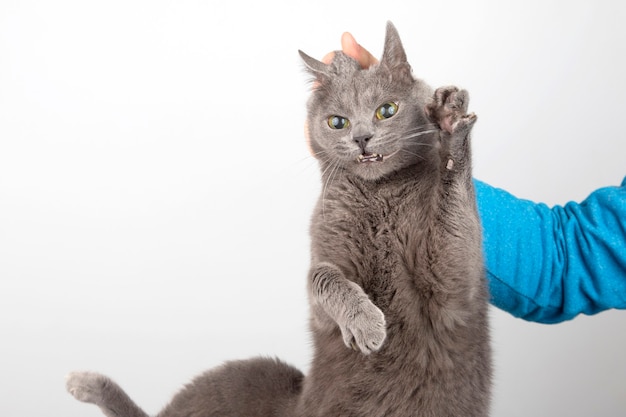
(551,264)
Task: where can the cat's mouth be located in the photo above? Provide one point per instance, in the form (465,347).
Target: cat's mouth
(369,157)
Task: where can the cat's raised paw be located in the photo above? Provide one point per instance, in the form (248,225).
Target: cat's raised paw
(86,386)
(366,330)
(448,109)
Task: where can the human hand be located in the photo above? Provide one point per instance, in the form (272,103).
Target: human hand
(353,49)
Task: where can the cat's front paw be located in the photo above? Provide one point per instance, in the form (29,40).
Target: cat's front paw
(365,328)
(86,386)
(448,109)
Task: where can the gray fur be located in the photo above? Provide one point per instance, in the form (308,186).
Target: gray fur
(396,286)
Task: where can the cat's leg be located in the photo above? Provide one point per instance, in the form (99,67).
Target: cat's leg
(462,239)
(362,324)
(91,387)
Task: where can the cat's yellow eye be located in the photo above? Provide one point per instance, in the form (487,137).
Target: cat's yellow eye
(386,111)
(338,122)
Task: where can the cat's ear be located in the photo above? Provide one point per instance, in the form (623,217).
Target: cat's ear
(318,69)
(394,57)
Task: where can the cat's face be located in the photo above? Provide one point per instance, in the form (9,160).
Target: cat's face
(370,122)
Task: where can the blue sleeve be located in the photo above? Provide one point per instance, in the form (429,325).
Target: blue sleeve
(550,264)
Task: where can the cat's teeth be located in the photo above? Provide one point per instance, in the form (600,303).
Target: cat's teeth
(370,157)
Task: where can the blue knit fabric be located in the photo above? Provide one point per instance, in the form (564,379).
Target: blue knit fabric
(550,264)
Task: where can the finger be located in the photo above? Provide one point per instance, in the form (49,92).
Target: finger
(328,58)
(351,47)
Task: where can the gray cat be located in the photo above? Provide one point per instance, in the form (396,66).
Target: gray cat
(397,292)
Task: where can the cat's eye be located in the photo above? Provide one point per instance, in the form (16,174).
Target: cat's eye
(386,111)
(338,122)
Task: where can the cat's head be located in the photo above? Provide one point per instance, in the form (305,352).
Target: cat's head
(370,122)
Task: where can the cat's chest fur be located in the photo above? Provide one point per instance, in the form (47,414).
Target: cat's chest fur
(381,235)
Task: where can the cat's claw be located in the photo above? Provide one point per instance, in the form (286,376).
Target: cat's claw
(448,109)
(353,345)
(464,124)
(366,330)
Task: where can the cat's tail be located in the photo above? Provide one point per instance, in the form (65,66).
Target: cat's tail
(258,387)
(91,387)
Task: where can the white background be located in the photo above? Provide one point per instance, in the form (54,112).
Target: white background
(155,186)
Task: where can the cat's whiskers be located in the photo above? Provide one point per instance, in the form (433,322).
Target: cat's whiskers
(305,164)
(413,154)
(427,126)
(418,134)
(307,159)
(408,134)
(335,168)
(322,157)
(320,154)
(416,131)
(391,138)
(327,162)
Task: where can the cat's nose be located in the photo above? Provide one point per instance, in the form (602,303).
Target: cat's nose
(362,141)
